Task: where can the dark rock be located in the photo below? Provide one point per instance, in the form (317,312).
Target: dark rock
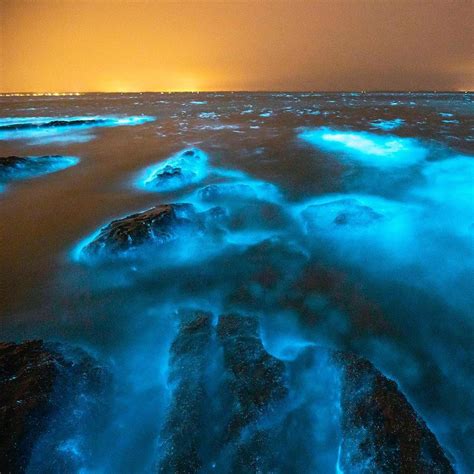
(19,167)
(160,224)
(169,172)
(52,123)
(40,388)
(248,422)
(27,376)
(381,431)
(220,424)
(257,384)
(182,431)
(255,377)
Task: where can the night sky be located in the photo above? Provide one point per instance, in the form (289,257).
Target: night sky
(139,45)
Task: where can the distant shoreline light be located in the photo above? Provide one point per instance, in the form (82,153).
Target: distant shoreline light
(210,91)
(39,94)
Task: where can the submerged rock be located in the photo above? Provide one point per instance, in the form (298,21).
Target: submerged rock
(158,225)
(241,190)
(341,212)
(20,167)
(42,388)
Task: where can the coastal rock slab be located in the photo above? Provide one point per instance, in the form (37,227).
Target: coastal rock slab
(382,433)
(158,225)
(257,402)
(37,385)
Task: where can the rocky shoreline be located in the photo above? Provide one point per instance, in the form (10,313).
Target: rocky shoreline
(221,371)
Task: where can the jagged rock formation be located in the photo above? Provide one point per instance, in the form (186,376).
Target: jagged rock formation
(27,375)
(378,429)
(186,418)
(232,408)
(36,382)
(202,432)
(257,383)
(381,431)
(160,224)
(184,168)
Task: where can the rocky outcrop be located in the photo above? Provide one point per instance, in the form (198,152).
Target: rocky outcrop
(255,395)
(158,225)
(224,383)
(21,167)
(27,376)
(182,431)
(182,169)
(256,381)
(36,383)
(381,431)
(52,123)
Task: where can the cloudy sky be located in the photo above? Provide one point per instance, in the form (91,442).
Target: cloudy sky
(145,45)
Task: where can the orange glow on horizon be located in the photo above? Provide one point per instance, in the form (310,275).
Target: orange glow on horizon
(198,45)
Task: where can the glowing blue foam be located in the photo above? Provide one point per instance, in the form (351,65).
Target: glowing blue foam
(387,125)
(182,169)
(357,222)
(448,188)
(368,148)
(35,166)
(246,189)
(77,254)
(61,130)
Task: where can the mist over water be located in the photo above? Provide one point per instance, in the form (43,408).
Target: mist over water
(339,221)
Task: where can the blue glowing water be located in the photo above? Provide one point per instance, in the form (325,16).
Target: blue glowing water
(368,148)
(62,129)
(345,222)
(35,166)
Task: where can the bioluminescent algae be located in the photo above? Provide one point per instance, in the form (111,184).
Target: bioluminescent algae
(387,125)
(15,168)
(257,282)
(61,130)
(152,228)
(384,151)
(185,168)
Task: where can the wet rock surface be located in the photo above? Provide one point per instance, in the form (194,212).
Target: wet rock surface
(21,167)
(52,123)
(378,429)
(186,418)
(184,168)
(381,431)
(247,383)
(40,388)
(27,375)
(160,224)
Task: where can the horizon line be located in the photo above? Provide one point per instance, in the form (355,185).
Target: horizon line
(254,91)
